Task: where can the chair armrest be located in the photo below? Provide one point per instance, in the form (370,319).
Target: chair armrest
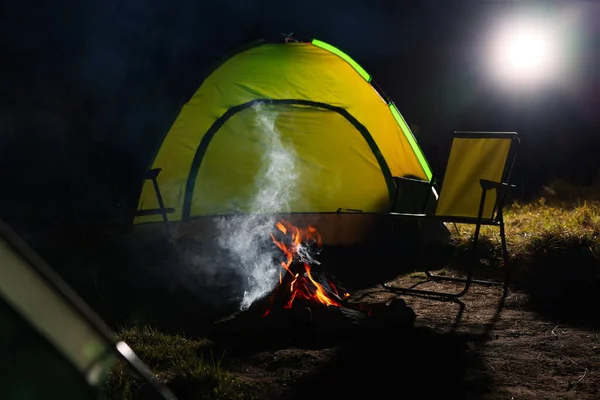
(489,185)
(501,192)
(153,173)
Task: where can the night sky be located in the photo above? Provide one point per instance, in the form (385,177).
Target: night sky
(89,88)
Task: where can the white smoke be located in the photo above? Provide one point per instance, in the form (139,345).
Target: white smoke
(248,236)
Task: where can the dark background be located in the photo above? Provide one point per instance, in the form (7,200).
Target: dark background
(88,89)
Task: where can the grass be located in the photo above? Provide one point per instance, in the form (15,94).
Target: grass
(187,366)
(553,243)
(554,223)
(539,226)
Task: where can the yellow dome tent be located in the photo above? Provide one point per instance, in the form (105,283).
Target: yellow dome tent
(302,117)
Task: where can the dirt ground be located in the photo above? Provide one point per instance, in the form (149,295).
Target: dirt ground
(539,343)
(483,347)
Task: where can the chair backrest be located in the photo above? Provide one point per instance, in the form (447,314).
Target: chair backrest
(475,156)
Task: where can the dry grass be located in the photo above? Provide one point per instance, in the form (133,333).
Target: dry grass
(558,219)
(553,243)
(538,226)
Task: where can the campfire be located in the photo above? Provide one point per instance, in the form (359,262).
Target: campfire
(307,297)
(302,278)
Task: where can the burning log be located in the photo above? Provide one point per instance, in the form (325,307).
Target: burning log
(313,324)
(302,276)
(307,301)
(302,286)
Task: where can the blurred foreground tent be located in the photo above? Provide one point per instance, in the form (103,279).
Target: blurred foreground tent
(52,345)
(341,147)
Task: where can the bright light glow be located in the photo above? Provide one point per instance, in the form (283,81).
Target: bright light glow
(524,52)
(528,52)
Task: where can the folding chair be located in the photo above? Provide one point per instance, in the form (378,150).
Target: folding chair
(152,175)
(474,189)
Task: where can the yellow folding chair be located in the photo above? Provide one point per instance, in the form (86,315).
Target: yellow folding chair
(474,189)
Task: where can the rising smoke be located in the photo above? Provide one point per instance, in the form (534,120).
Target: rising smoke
(247,236)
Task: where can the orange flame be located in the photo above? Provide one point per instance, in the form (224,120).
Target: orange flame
(303,285)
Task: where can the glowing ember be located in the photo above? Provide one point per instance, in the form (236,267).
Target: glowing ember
(296,278)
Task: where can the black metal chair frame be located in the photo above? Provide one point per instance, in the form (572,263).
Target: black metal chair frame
(502,189)
(162,210)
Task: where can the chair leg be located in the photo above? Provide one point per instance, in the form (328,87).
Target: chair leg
(431,293)
(478,281)
(446,295)
(451,279)
(504,256)
(161,204)
(468,280)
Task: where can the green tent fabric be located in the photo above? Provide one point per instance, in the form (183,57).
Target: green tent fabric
(338,136)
